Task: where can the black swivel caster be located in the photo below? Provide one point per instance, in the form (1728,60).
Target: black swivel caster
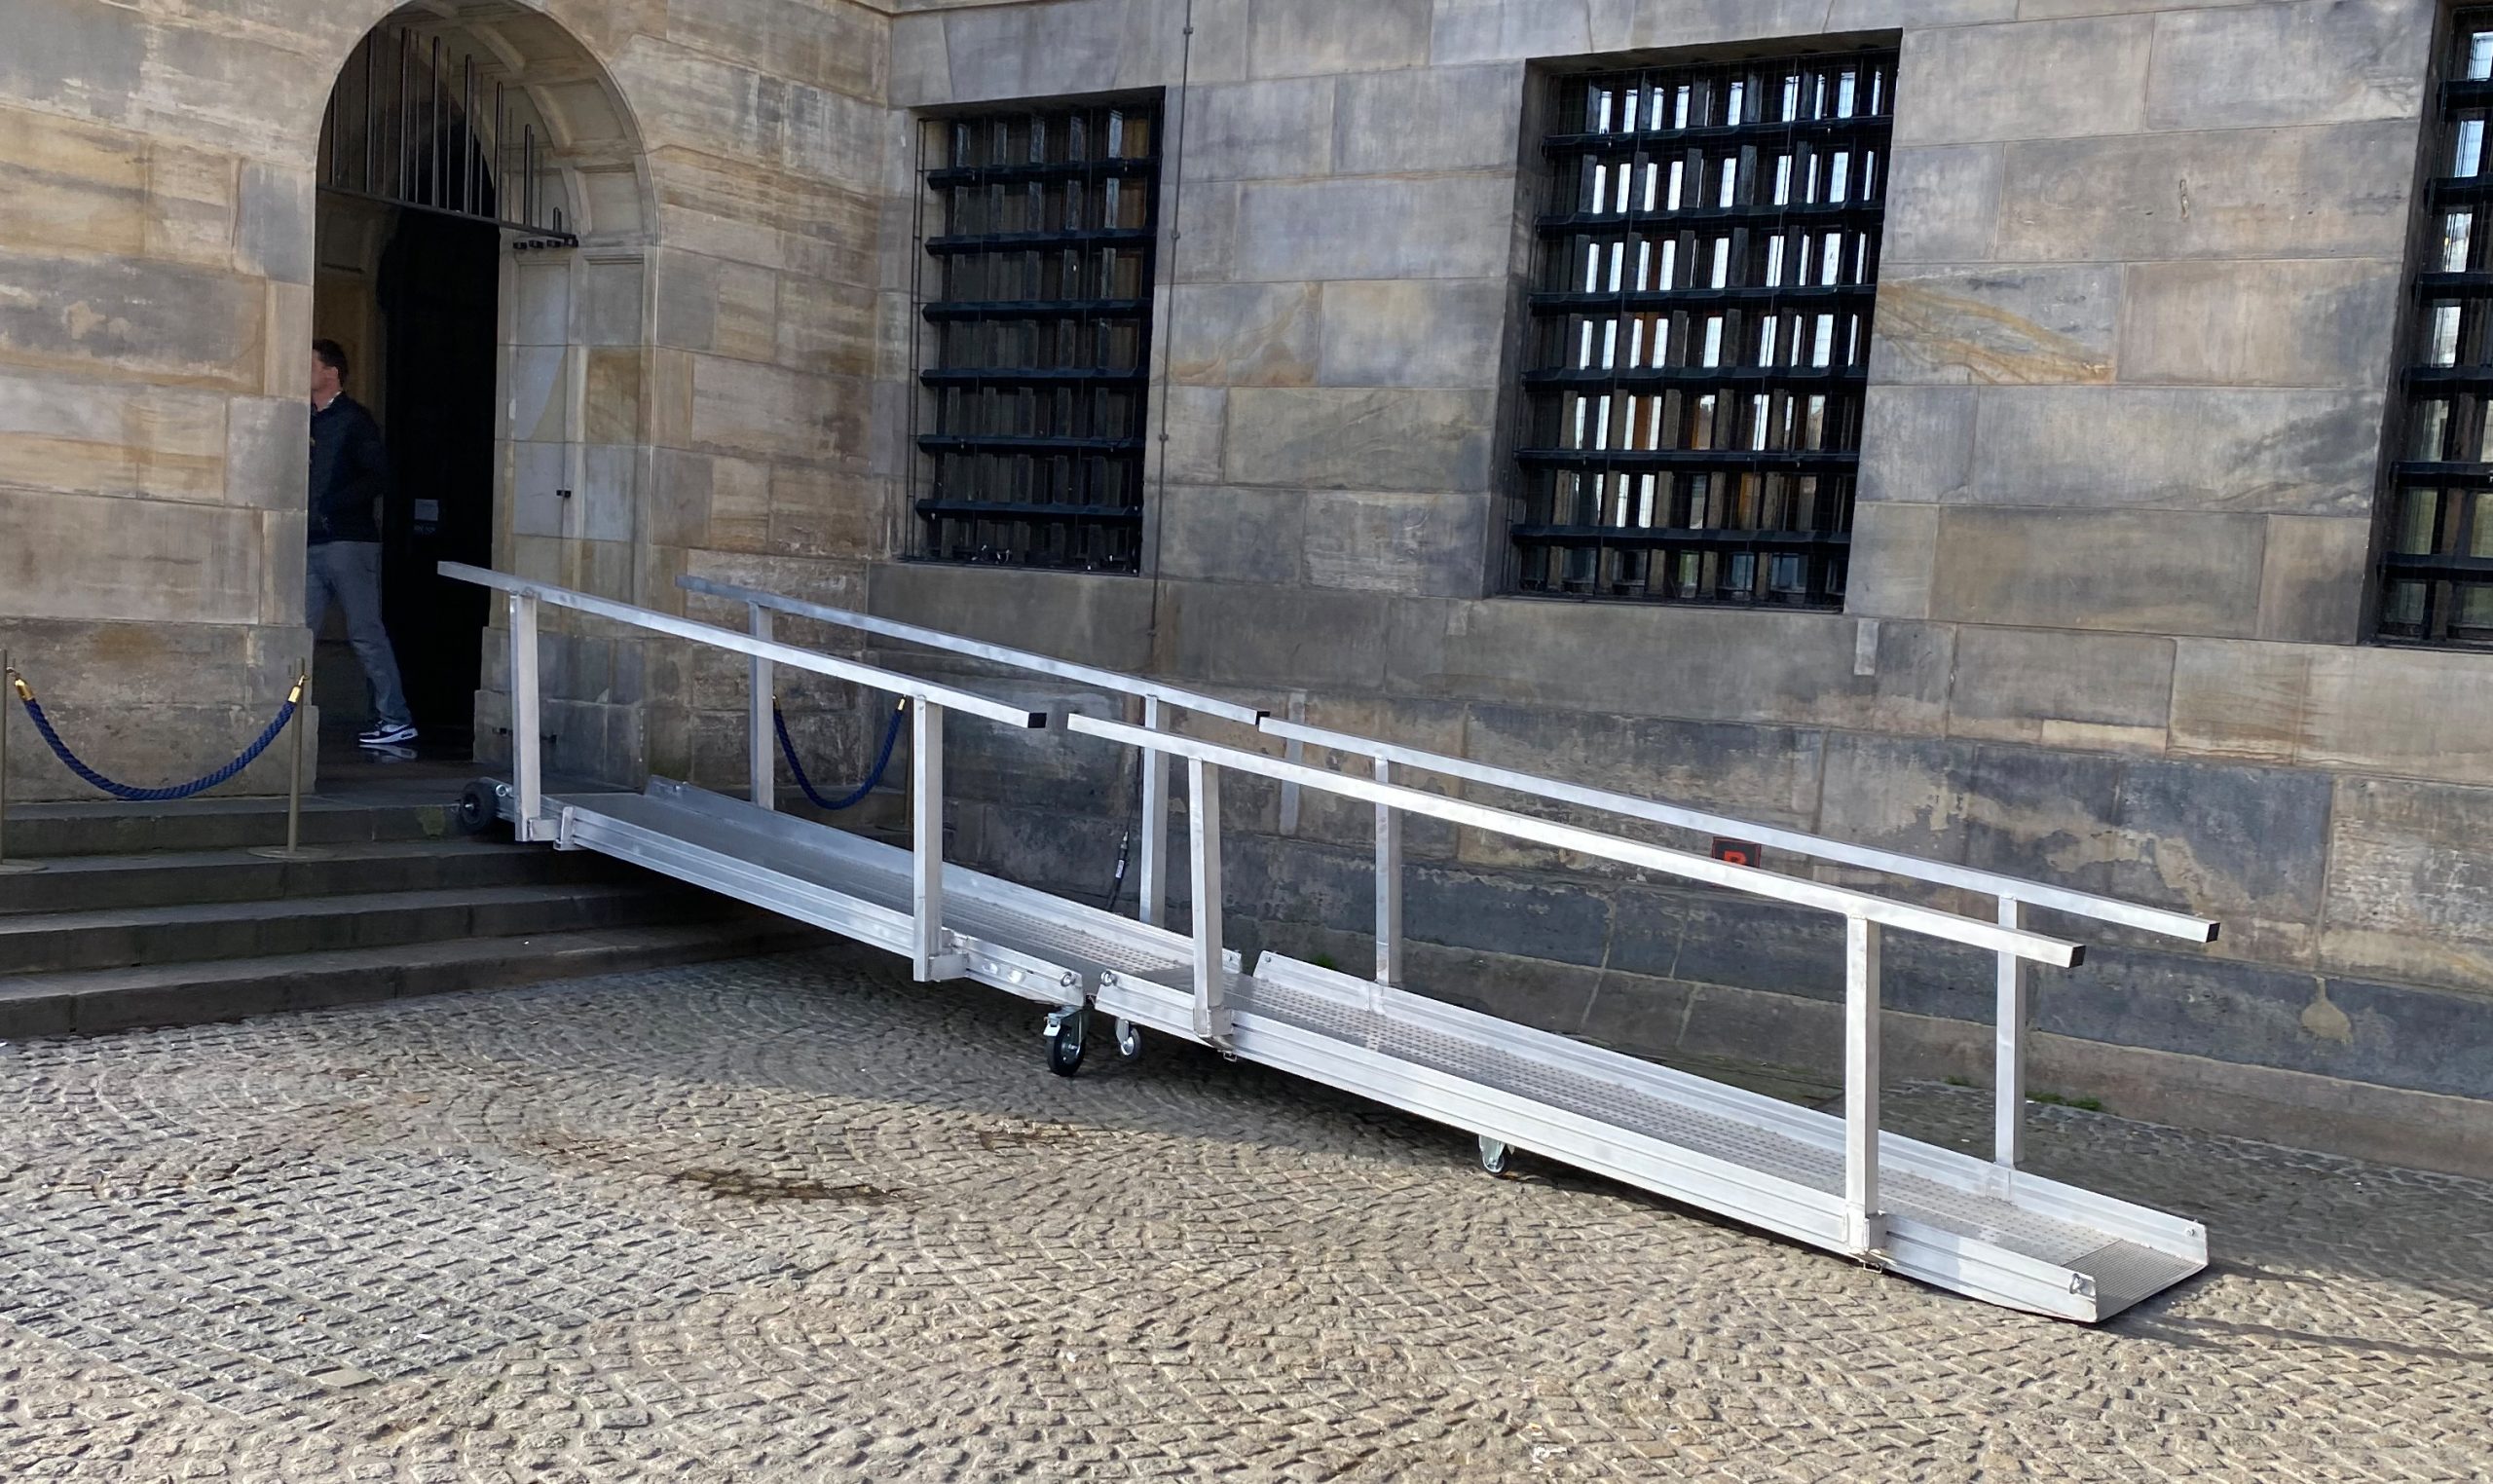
(1129,1040)
(480,807)
(1064,1041)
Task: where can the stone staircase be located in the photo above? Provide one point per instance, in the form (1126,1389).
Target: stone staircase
(160,914)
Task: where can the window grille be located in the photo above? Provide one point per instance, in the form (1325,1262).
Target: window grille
(2437,563)
(1040,326)
(1700,331)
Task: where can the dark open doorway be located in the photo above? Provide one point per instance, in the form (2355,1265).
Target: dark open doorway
(436,291)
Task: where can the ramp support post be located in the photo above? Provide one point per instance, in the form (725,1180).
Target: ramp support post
(527,776)
(1864,1227)
(1154,879)
(1389,885)
(2008,1051)
(1203,835)
(927,956)
(760,737)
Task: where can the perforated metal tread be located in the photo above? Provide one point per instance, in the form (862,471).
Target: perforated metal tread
(1084,938)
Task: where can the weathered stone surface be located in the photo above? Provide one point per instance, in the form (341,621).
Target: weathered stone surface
(273,223)
(1427,545)
(2306,62)
(2219,323)
(1192,419)
(2416,712)
(1448,333)
(1434,227)
(1257,130)
(2285,452)
(2245,844)
(265,438)
(1942,203)
(1766,773)
(160,442)
(2337,191)
(1466,909)
(174,562)
(2145,570)
(2094,692)
(1888,569)
(1267,637)
(1619,24)
(1917,444)
(1705,664)
(2015,325)
(2410,889)
(2311,583)
(1105,623)
(1359,438)
(168,324)
(2238,700)
(1495,30)
(2035,80)
(1227,534)
(83,54)
(1880,15)
(1438,118)
(1244,334)
(1301,38)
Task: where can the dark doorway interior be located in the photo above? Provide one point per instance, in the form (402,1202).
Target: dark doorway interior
(437,287)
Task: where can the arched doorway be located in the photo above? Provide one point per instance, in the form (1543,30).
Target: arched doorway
(481,214)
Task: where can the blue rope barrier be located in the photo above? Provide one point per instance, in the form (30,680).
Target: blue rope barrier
(200,785)
(874,776)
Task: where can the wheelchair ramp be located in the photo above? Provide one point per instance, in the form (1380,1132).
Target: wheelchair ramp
(1955,1221)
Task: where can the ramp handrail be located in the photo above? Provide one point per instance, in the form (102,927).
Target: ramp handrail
(1152,826)
(1863,914)
(976,649)
(2014,895)
(931,955)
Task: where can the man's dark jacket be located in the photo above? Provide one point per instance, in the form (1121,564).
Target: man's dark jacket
(349,472)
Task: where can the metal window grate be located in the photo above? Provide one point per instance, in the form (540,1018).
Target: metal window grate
(1040,326)
(1701,329)
(404,127)
(2437,558)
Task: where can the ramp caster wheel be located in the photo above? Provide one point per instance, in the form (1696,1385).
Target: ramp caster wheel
(1064,1041)
(480,807)
(1129,1040)
(1493,1154)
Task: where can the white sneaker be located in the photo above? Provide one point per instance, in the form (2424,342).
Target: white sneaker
(387,736)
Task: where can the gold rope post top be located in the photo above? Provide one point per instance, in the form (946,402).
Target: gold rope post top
(294,697)
(25,692)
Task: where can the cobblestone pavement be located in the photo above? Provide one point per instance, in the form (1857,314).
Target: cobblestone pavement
(795,1219)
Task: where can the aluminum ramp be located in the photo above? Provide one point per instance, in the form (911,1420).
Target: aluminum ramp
(1838,1181)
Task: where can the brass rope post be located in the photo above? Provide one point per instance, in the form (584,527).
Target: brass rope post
(299,698)
(7,681)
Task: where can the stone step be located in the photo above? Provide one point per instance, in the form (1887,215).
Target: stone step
(96,1000)
(36,942)
(49,831)
(102,882)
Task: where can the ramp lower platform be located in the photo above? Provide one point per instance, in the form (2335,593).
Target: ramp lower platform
(1957,1222)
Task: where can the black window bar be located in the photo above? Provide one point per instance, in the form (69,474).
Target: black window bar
(401,128)
(1700,330)
(2437,558)
(1040,332)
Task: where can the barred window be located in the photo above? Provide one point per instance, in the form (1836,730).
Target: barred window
(1700,330)
(1039,327)
(2437,563)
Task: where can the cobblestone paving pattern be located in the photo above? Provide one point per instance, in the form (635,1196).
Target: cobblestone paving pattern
(795,1219)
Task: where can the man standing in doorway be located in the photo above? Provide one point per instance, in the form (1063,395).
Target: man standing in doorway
(349,474)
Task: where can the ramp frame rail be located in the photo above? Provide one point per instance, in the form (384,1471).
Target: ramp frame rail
(1838,1182)
(1158,702)
(931,955)
(1864,916)
(2012,895)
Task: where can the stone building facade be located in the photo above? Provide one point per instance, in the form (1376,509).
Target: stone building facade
(2113,615)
